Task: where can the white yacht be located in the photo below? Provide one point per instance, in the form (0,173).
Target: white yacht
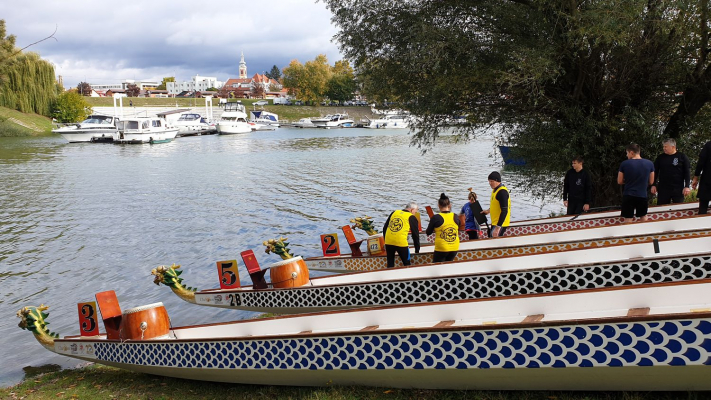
(144,130)
(233,120)
(93,129)
(338,121)
(321,121)
(191,123)
(390,121)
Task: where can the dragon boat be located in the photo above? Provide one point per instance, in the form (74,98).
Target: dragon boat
(519,245)
(618,265)
(650,337)
(583,221)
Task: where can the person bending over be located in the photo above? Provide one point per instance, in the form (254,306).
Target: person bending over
(397,226)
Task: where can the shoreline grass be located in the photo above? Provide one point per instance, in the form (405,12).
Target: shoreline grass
(16,124)
(96,381)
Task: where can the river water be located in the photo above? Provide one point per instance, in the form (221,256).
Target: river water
(76,219)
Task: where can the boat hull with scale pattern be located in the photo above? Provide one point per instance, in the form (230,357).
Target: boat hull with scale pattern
(615,266)
(651,337)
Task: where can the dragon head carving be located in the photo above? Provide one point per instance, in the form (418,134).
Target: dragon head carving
(33,319)
(170,276)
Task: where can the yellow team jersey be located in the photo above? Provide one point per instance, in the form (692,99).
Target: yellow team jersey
(495,208)
(398,228)
(447,235)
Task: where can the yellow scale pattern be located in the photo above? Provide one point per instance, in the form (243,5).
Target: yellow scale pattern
(376,263)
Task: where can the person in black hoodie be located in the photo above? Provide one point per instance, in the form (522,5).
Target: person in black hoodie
(672,174)
(577,188)
(703,170)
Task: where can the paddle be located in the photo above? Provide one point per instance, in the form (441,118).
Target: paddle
(596,209)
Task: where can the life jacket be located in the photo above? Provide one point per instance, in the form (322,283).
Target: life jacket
(398,228)
(495,208)
(447,234)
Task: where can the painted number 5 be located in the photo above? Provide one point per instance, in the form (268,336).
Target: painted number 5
(229,276)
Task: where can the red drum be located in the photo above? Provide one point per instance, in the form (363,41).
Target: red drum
(145,322)
(289,273)
(376,245)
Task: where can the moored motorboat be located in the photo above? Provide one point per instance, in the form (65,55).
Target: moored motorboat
(390,121)
(525,244)
(264,120)
(95,128)
(144,130)
(614,266)
(233,120)
(303,123)
(650,337)
(190,123)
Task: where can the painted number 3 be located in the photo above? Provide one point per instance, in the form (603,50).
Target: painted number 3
(89,323)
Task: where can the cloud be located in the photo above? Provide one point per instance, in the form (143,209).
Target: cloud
(109,41)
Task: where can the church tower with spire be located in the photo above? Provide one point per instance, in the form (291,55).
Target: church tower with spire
(242,68)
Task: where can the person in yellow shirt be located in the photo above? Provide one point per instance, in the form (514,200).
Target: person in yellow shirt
(445,225)
(397,226)
(499,206)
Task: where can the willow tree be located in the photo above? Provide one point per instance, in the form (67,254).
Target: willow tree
(27,82)
(552,78)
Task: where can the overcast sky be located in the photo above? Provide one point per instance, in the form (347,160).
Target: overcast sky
(108,41)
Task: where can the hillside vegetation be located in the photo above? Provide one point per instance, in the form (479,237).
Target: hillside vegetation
(14,123)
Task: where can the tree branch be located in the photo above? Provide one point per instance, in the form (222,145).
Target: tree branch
(32,44)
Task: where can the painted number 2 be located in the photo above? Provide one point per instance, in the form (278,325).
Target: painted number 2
(88,326)
(329,245)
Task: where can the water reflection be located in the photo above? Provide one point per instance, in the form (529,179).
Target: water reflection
(83,218)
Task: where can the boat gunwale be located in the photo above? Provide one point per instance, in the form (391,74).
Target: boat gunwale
(405,330)
(348,256)
(247,288)
(426,329)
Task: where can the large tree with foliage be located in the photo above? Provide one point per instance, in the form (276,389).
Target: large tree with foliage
(307,81)
(132,90)
(552,78)
(70,107)
(275,73)
(163,85)
(27,82)
(84,89)
(342,83)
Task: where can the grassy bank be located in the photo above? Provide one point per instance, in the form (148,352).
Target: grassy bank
(100,382)
(14,123)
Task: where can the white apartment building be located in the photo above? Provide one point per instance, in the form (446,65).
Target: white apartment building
(198,83)
(123,85)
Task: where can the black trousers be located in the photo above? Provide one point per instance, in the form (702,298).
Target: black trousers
(473,235)
(442,256)
(704,206)
(501,230)
(575,207)
(669,195)
(403,252)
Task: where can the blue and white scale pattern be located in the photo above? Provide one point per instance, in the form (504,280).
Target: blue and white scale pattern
(671,342)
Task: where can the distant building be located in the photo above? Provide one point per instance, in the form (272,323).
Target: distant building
(198,83)
(242,87)
(143,85)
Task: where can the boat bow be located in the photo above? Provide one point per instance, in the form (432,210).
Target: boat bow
(170,276)
(33,319)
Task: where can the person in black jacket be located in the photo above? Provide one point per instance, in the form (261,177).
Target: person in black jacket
(703,170)
(577,188)
(672,175)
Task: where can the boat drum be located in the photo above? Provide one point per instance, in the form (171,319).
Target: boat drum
(145,322)
(289,273)
(376,245)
